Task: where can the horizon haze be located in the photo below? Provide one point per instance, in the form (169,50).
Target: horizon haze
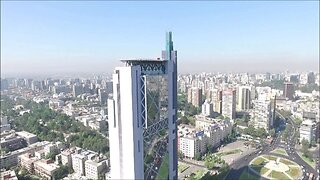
(42,38)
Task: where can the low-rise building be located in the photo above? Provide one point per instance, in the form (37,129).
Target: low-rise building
(11,159)
(27,161)
(208,132)
(78,160)
(40,154)
(29,137)
(65,156)
(45,168)
(8,175)
(55,103)
(94,168)
(11,141)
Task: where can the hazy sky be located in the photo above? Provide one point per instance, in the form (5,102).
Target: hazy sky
(55,37)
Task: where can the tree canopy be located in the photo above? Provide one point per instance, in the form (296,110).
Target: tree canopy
(260,132)
(54,126)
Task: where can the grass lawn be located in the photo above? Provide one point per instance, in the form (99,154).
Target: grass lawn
(182,167)
(294,172)
(34,177)
(258,161)
(287,162)
(280,151)
(278,175)
(271,158)
(235,151)
(247,176)
(307,160)
(260,169)
(164,168)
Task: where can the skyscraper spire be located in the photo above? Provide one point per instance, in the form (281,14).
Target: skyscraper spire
(169,45)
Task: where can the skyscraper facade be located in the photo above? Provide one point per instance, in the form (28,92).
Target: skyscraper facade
(229,103)
(142,118)
(244,98)
(288,90)
(195,96)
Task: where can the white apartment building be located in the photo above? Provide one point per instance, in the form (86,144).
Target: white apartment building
(229,104)
(243,98)
(307,130)
(65,156)
(215,129)
(78,161)
(207,109)
(40,154)
(261,114)
(79,158)
(94,168)
(208,131)
(190,141)
(264,93)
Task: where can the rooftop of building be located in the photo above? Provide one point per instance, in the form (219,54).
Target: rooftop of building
(96,162)
(187,131)
(8,174)
(45,164)
(26,134)
(28,158)
(19,151)
(143,60)
(211,120)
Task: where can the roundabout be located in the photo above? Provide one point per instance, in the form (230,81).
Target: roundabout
(273,167)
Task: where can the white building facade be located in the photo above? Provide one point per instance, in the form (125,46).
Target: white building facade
(261,115)
(141,112)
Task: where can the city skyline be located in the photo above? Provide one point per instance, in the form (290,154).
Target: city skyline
(75,37)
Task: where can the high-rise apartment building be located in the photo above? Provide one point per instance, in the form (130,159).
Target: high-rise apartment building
(261,116)
(229,104)
(189,95)
(216,98)
(207,109)
(244,98)
(195,96)
(142,118)
(288,90)
(311,78)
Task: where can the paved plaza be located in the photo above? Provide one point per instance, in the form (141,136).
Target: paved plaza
(233,146)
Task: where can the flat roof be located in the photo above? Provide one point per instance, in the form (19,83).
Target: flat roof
(48,167)
(144,60)
(25,133)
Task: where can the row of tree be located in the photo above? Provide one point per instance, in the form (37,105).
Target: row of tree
(260,132)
